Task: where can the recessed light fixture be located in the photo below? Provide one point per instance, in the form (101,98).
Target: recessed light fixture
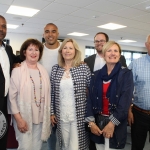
(12,26)
(126,41)
(111,26)
(22,11)
(77,34)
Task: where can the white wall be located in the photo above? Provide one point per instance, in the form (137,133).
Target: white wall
(17,39)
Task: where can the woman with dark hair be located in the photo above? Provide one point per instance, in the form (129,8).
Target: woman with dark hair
(109,99)
(29,98)
(69,80)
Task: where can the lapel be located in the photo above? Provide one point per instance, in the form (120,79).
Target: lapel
(93,62)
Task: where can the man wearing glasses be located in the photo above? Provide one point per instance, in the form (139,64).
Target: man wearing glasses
(96,61)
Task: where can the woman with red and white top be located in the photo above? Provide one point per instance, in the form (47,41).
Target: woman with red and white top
(110,96)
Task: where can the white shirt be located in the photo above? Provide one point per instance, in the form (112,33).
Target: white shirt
(67,99)
(4,62)
(99,62)
(49,58)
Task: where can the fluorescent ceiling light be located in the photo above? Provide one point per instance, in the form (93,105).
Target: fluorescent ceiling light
(126,41)
(111,26)
(22,11)
(77,34)
(11,26)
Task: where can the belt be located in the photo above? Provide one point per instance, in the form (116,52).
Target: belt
(141,110)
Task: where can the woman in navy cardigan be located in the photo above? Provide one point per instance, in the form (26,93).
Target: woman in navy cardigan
(110,96)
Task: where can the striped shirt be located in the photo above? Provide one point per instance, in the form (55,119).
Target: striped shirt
(141,76)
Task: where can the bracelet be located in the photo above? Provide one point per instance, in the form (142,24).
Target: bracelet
(90,124)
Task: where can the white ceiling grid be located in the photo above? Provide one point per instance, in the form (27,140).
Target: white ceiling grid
(83,16)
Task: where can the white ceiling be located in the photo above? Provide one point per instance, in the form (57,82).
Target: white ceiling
(77,16)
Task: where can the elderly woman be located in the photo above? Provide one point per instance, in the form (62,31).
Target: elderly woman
(70,79)
(29,98)
(109,99)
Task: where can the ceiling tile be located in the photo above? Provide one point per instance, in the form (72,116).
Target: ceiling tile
(73,19)
(48,15)
(39,20)
(129,12)
(127,2)
(3,8)
(77,3)
(59,8)
(142,6)
(102,6)
(143,18)
(7,2)
(86,13)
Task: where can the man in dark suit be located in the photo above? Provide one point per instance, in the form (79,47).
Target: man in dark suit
(7,59)
(96,61)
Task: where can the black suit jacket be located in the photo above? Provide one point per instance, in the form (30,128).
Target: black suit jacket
(90,61)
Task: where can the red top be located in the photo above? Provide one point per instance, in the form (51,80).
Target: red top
(105,109)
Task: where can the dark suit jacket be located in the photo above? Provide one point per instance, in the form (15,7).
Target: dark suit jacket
(90,61)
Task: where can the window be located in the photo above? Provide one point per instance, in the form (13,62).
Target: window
(89,51)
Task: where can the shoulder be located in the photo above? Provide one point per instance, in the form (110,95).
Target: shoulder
(15,71)
(125,73)
(84,66)
(55,66)
(90,57)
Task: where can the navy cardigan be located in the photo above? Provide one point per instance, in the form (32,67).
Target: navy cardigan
(124,93)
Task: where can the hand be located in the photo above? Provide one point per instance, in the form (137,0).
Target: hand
(22,125)
(130,117)
(53,120)
(108,130)
(95,129)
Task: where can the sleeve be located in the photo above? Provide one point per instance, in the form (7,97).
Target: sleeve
(52,79)
(88,76)
(90,114)
(13,92)
(125,99)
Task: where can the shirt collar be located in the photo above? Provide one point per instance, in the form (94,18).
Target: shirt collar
(3,44)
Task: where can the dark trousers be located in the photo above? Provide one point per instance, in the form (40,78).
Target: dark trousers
(3,109)
(139,129)
(92,145)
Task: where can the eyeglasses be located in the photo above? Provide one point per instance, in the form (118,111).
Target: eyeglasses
(101,41)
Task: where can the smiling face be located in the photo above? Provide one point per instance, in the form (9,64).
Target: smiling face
(112,54)
(3,29)
(50,34)
(32,54)
(68,51)
(99,41)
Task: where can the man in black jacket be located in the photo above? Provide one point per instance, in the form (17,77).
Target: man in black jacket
(96,61)
(7,58)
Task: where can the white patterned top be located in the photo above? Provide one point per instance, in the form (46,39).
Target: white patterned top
(67,100)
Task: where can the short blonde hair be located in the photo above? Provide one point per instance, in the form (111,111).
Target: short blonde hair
(108,45)
(77,58)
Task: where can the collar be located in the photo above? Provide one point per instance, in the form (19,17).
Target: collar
(3,44)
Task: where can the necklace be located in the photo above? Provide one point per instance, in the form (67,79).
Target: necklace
(35,99)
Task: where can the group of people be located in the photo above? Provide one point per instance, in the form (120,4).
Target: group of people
(53,96)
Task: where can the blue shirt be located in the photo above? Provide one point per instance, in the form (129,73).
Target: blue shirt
(141,77)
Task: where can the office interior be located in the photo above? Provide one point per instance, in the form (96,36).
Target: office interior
(82,16)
